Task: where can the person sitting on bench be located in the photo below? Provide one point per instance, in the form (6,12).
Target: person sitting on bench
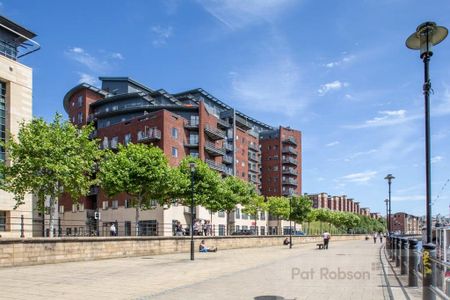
(286,241)
(203,248)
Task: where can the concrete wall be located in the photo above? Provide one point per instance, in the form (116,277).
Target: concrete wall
(21,252)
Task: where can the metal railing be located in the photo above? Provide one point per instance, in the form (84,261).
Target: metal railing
(420,265)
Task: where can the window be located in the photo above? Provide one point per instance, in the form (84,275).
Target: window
(3,220)
(115,107)
(128,203)
(80,117)
(127,139)
(174,152)
(275,168)
(174,132)
(193,153)
(221,214)
(221,229)
(105,143)
(61,209)
(238,213)
(105,204)
(193,138)
(74,207)
(73,103)
(263,230)
(73,119)
(194,120)
(114,142)
(237,227)
(262,215)
(80,206)
(244,227)
(115,204)
(80,101)
(127,228)
(244,217)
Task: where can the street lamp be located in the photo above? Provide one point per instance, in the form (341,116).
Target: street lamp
(426,36)
(389,178)
(387,220)
(192,167)
(290,220)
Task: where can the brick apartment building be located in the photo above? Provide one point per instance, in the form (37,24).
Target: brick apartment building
(340,203)
(404,223)
(192,123)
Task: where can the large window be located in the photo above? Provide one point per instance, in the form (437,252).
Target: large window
(174,132)
(3,221)
(2,117)
(221,229)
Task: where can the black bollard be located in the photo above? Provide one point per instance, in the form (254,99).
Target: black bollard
(398,250)
(429,251)
(403,257)
(413,262)
(22,225)
(394,246)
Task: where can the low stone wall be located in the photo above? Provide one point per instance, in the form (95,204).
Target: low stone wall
(34,251)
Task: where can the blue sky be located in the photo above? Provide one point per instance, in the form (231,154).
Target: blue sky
(336,70)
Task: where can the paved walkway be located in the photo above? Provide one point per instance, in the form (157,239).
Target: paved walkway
(348,270)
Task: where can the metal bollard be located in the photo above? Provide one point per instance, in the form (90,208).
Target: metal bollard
(429,251)
(22,231)
(398,250)
(388,245)
(394,243)
(59,227)
(403,257)
(413,262)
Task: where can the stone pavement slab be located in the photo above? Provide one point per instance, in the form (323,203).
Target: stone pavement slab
(348,270)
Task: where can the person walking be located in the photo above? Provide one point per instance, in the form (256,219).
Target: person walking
(178,229)
(381,237)
(375,236)
(112,230)
(326,239)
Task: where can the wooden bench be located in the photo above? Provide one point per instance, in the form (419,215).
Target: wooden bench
(320,246)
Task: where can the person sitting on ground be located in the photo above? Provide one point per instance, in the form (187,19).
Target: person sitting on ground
(204,248)
(286,241)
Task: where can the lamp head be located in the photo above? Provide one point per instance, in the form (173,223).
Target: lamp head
(426,36)
(192,166)
(389,177)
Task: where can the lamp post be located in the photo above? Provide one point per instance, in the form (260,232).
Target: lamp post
(192,167)
(387,220)
(290,221)
(426,36)
(389,178)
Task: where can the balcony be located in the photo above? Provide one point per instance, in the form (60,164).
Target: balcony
(214,133)
(222,123)
(289,171)
(254,180)
(290,181)
(215,166)
(290,140)
(290,160)
(289,150)
(91,118)
(213,150)
(191,144)
(243,123)
(191,125)
(254,157)
(253,168)
(149,135)
(254,147)
(288,192)
(228,159)
(228,146)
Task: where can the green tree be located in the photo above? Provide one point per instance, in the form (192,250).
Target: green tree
(278,207)
(234,191)
(255,206)
(142,172)
(47,160)
(207,184)
(301,208)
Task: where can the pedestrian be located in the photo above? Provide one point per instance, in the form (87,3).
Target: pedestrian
(178,229)
(112,230)
(208,228)
(375,236)
(381,237)
(326,239)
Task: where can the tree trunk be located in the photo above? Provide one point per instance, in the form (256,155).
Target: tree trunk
(256,227)
(51,218)
(138,207)
(228,223)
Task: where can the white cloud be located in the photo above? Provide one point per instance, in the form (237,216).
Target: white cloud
(236,14)
(436,159)
(386,118)
(117,55)
(361,153)
(87,78)
(332,144)
(340,62)
(162,34)
(335,85)
(362,177)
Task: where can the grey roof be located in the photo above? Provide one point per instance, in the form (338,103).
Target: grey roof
(130,80)
(78,87)
(17,28)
